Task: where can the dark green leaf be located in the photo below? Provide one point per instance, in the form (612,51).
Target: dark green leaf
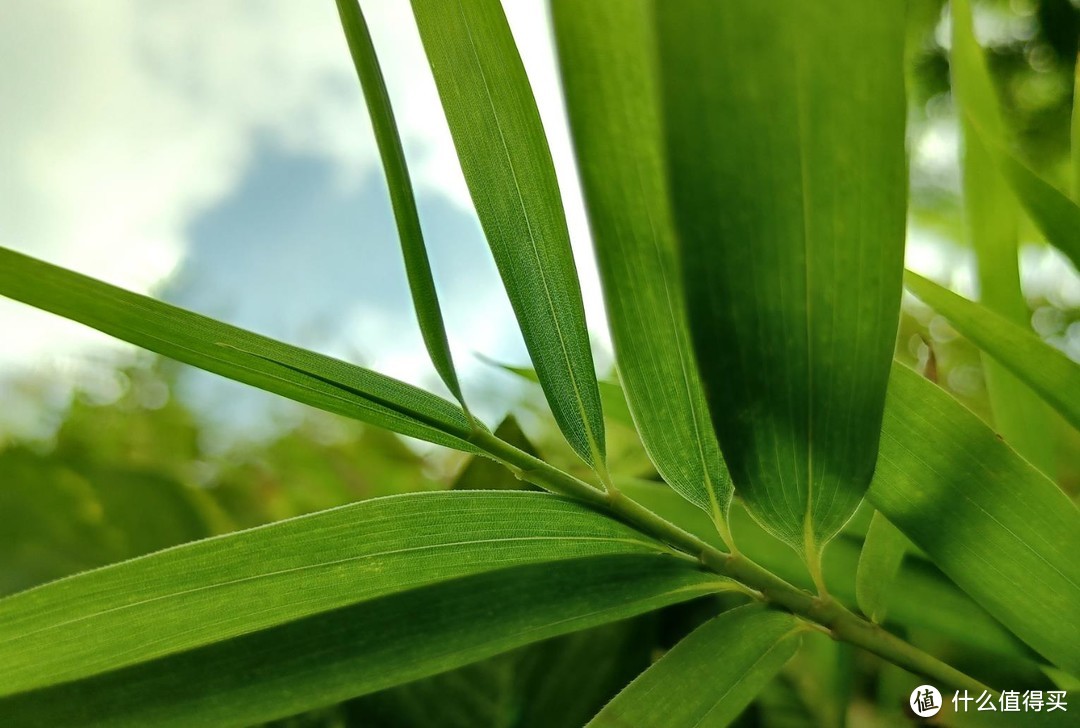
(1040,366)
(365,647)
(507,164)
(994,524)
(785,130)
(217,589)
(307,377)
(707,679)
(608,70)
(425,298)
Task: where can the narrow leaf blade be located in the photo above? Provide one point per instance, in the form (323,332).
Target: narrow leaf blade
(879,561)
(991,220)
(507,164)
(417,267)
(366,647)
(220,588)
(609,74)
(1040,366)
(313,379)
(707,679)
(993,523)
(785,131)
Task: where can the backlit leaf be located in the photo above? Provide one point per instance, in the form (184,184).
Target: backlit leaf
(879,561)
(425,298)
(507,164)
(307,377)
(1040,366)
(606,50)
(785,129)
(993,523)
(213,590)
(364,647)
(991,218)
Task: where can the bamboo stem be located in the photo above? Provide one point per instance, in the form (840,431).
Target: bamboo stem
(823,610)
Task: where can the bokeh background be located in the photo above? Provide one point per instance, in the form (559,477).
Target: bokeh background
(217,154)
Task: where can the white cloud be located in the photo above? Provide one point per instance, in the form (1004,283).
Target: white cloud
(123,121)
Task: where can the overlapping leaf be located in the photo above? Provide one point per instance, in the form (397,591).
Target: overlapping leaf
(220,588)
(503,152)
(1031,360)
(418,268)
(307,377)
(364,647)
(993,523)
(990,217)
(606,50)
(707,679)
(785,130)
(879,561)
(917,584)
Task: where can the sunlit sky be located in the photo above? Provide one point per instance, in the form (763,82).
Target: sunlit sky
(216,153)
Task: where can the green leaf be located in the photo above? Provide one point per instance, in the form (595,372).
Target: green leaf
(917,584)
(507,164)
(991,220)
(417,267)
(707,679)
(609,75)
(1054,376)
(1056,216)
(785,131)
(993,523)
(307,377)
(558,683)
(1076,145)
(220,588)
(882,553)
(365,647)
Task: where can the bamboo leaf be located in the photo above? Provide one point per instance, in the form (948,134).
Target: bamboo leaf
(917,584)
(365,647)
(993,523)
(879,562)
(1056,216)
(1040,366)
(609,74)
(313,379)
(217,589)
(417,267)
(707,679)
(991,219)
(507,164)
(785,131)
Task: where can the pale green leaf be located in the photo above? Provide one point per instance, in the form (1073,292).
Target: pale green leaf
(991,219)
(364,647)
(307,377)
(220,588)
(785,129)
(879,561)
(1056,216)
(993,523)
(1040,366)
(606,51)
(707,679)
(507,164)
(418,268)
